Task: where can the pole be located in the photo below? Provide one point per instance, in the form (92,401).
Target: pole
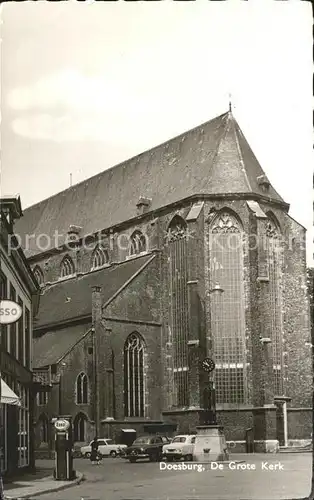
(1,446)
(95,382)
(60,395)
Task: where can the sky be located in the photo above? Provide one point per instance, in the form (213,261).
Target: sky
(84,87)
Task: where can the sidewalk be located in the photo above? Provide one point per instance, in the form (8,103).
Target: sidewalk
(34,487)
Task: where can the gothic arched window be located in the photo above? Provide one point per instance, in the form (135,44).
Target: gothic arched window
(178,270)
(274,256)
(137,243)
(39,275)
(81,389)
(134,348)
(79,428)
(225,258)
(67,267)
(100,257)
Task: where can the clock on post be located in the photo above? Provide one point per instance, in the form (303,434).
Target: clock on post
(208,365)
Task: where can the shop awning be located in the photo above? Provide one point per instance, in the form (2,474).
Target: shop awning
(7,396)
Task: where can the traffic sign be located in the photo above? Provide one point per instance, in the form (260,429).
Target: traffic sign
(10,312)
(62,425)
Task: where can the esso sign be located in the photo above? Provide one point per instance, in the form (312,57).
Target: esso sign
(62,425)
(10,312)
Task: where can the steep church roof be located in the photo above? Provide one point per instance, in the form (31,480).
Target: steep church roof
(72,298)
(212,159)
(53,346)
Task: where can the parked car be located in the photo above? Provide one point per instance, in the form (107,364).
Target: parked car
(106,447)
(146,447)
(180,447)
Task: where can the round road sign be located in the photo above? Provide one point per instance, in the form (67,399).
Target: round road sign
(62,425)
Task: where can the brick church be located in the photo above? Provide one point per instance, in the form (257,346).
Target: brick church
(128,262)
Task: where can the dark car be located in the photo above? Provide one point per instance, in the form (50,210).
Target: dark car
(146,447)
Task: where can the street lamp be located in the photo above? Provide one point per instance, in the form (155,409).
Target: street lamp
(217,289)
(208,366)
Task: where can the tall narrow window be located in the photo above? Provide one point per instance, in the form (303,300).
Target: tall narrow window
(275,298)
(13,325)
(178,262)
(27,338)
(79,427)
(42,398)
(20,334)
(39,275)
(100,257)
(23,447)
(134,376)
(67,267)
(137,243)
(228,311)
(3,295)
(82,389)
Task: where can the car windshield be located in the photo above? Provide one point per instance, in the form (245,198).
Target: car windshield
(109,441)
(179,439)
(142,440)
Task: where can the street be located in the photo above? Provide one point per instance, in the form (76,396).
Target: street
(251,477)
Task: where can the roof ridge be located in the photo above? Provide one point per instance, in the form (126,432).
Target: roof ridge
(223,133)
(235,132)
(127,282)
(75,343)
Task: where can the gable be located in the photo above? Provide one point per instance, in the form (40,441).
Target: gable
(139,299)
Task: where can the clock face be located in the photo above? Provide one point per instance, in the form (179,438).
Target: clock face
(208,365)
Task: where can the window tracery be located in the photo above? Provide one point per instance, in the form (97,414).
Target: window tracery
(67,267)
(134,350)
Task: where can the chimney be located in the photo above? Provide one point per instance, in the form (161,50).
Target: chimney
(73,235)
(143,205)
(263,181)
(96,305)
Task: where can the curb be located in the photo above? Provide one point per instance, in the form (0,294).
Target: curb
(80,477)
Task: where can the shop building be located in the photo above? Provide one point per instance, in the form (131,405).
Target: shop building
(17,283)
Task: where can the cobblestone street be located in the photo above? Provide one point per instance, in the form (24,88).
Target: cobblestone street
(120,480)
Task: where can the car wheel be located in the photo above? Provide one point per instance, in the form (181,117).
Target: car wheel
(189,458)
(132,460)
(87,454)
(113,453)
(153,457)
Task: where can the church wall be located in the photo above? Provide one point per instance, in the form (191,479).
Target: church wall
(296,319)
(116,241)
(299,423)
(152,367)
(136,309)
(298,358)
(257,318)
(76,361)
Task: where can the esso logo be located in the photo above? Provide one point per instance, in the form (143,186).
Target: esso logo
(62,425)
(10,312)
